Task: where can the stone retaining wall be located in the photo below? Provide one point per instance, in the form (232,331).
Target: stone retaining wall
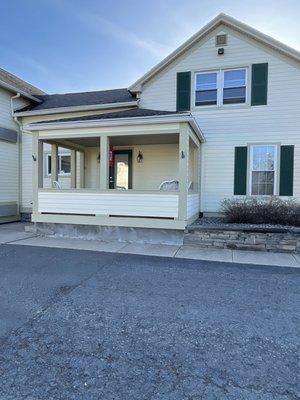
(287,241)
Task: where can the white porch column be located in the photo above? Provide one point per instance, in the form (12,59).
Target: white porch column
(37,176)
(73,169)
(82,170)
(54,163)
(104,147)
(183,170)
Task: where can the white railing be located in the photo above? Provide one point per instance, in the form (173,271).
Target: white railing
(121,203)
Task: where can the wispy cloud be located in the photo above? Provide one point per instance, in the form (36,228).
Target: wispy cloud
(105,26)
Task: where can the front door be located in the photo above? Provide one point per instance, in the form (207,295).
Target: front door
(121,172)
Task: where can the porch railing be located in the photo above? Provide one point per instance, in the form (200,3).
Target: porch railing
(129,203)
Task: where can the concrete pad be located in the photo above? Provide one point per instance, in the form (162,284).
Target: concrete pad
(7,236)
(264,258)
(78,244)
(197,253)
(297,258)
(147,249)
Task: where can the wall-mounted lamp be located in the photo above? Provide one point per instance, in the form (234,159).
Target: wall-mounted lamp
(221,51)
(33,157)
(98,158)
(140,157)
(182,154)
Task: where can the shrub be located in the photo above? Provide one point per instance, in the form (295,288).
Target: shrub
(262,211)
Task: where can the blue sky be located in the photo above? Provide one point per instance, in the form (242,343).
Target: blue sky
(80,45)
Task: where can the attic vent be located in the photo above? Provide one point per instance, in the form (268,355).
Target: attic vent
(221,40)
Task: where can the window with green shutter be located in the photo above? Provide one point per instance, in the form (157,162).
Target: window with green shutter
(286,171)
(183,100)
(240,170)
(259,84)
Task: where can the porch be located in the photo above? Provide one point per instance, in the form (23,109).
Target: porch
(144,176)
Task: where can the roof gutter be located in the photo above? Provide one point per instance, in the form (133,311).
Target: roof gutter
(156,119)
(76,108)
(16,90)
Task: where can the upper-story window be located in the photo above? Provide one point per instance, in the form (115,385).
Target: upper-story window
(221,87)
(234,86)
(206,89)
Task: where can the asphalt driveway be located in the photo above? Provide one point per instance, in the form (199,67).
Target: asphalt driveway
(90,325)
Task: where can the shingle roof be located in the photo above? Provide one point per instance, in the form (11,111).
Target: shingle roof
(82,99)
(18,83)
(132,113)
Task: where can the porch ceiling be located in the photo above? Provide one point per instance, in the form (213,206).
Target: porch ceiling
(127,140)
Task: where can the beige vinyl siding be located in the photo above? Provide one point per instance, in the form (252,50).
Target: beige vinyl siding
(160,163)
(92,168)
(6,119)
(9,152)
(8,171)
(234,125)
(193,205)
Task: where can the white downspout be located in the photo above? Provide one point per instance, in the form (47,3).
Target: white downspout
(19,150)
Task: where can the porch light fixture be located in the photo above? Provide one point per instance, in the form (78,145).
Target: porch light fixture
(33,157)
(98,158)
(140,157)
(182,154)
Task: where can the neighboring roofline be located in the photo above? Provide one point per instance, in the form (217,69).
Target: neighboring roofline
(16,90)
(90,107)
(213,24)
(156,119)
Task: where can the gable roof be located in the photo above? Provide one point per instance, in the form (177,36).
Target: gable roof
(12,82)
(59,102)
(221,19)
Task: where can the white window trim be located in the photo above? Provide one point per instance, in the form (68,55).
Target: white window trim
(48,155)
(276,169)
(220,85)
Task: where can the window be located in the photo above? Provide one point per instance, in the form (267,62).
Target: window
(206,89)
(263,169)
(234,86)
(221,87)
(64,164)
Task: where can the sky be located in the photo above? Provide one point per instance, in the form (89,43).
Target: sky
(65,46)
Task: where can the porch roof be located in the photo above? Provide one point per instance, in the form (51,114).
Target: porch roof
(127,117)
(132,113)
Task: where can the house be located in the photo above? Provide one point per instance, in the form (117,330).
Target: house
(219,117)
(14,93)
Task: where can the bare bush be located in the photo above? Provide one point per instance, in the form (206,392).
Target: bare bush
(262,211)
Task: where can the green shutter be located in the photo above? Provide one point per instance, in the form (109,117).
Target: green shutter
(240,170)
(183,97)
(286,170)
(259,89)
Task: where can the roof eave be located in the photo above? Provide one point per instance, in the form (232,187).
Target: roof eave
(16,90)
(76,108)
(186,117)
(213,24)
